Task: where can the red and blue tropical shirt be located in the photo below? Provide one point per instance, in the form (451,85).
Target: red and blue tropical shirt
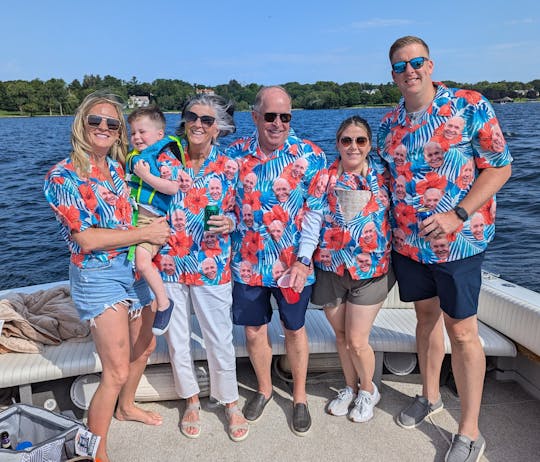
(81,203)
(192,255)
(358,242)
(273,194)
(433,163)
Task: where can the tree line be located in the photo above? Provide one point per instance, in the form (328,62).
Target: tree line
(56,97)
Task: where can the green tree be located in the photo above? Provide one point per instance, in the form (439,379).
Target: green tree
(55,95)
(19,92)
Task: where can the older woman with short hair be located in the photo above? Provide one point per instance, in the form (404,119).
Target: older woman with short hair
(202,276)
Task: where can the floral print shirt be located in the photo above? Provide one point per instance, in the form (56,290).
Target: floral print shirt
(274,193)
(192,255)
(357,242)
(81,203)
(433,162)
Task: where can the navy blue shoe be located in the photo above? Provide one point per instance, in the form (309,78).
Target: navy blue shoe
(162,320)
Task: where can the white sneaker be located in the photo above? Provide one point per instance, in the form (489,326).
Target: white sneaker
(364,404)
(340,404)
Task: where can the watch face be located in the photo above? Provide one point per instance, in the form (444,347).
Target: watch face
(304,260)
(461,213)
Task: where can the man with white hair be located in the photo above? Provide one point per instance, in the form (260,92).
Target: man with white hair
(263,160)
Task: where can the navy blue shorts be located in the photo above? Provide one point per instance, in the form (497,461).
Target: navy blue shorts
(456,283)
(251,306)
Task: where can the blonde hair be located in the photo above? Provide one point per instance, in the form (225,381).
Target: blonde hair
(79,143)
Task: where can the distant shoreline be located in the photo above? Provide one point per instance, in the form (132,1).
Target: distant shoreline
(4,115)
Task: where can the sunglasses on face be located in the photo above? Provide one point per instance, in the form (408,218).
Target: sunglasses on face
(271,116)
(206,120)
(360,141)
(416,63)
(95,121)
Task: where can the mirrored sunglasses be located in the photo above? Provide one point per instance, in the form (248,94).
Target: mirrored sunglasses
(416,63)
(206,120)
(346,141)
(95,121)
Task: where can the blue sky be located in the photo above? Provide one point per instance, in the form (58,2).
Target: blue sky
(266,42)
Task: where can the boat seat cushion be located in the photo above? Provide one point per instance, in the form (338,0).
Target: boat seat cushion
(393,331)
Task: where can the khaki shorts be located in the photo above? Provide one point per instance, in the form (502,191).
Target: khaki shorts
(332,290)
(145,220)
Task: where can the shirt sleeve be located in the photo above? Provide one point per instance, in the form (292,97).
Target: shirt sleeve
(311,227)
(68,203)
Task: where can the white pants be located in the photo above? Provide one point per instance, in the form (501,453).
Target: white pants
(212,306)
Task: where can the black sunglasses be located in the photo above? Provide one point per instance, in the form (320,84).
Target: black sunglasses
(95,121)
(271,116)
(346,141)
(206,120)
(416,63)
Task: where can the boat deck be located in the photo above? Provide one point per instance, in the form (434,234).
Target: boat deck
(510,423)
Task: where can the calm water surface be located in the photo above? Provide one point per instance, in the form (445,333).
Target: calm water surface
(33,253)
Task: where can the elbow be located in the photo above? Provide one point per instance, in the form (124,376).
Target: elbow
(83,242)
(508,171)
(85,247)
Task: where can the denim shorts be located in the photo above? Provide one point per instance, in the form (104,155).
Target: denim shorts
(251,306)
(100,285)
(456,283)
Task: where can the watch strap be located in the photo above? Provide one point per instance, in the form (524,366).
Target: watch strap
(461,213)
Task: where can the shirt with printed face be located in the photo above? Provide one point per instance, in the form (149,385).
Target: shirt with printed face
(274,193)
(163,164)
(81,203)
(193,255)
(446,148)
(359,244)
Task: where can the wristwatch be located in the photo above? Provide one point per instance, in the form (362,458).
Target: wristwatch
(304,260)
(461,213)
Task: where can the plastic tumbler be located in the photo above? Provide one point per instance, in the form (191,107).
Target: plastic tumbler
(291,296)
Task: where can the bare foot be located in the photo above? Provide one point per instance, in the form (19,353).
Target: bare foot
(139,415)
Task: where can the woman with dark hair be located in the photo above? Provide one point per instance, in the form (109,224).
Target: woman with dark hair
(352,263)
(202,276)
(91,201)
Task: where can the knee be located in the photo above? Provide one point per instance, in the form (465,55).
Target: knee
(254,334)
(115,377)
(142,353)
(358,346)
(340,337)
(294,335)
(143,265)
(463,333)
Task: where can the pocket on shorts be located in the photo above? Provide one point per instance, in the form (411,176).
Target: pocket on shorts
(88,273)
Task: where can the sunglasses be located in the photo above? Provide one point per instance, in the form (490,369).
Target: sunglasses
(95,121)
(360,141)
(206,120)
(416,63)
(271,116)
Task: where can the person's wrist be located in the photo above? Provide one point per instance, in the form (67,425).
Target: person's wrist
(305,261)
(231,224)
(461,213)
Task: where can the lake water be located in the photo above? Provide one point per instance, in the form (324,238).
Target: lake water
(33,253)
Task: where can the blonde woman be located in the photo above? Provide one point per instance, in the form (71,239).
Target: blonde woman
(90,199)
